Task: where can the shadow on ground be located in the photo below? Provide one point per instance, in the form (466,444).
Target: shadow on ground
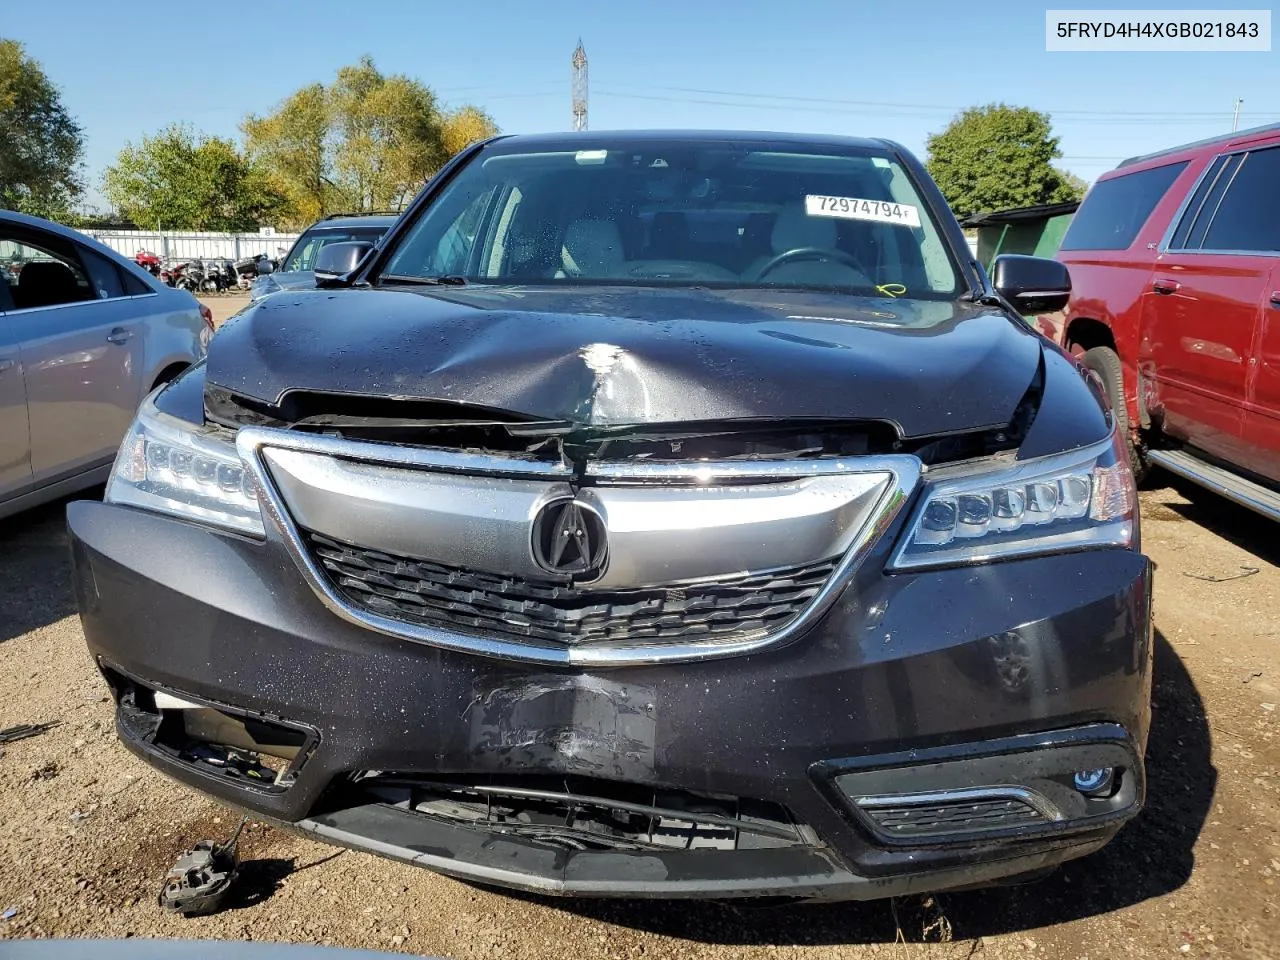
(1150,857)
(259,878)
(1246,529)
(35,568)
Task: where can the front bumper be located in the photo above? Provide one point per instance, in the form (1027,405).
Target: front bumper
(956,673)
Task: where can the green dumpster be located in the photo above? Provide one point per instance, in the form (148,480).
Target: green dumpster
(1036,231)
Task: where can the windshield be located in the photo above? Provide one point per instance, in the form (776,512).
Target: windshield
(683,213)
(304,252)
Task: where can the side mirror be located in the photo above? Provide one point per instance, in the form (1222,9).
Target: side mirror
(264,267)
(1032,284)
(336,260)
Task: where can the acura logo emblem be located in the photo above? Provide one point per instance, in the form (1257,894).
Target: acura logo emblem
(569,539)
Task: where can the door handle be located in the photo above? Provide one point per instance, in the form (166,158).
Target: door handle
(6,364)
(1275,302)
(119,335)
(1165,287)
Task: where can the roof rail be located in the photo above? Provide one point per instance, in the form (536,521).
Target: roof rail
(367,213)
(1220,138)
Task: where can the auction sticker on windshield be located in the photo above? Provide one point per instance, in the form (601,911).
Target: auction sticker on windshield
(855,208)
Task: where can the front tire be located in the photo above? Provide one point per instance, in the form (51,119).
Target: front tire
(1105,362)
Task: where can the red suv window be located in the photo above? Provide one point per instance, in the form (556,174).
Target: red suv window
(1115,210)
(1247,218)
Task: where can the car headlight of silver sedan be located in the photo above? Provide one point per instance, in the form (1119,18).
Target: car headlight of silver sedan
(171,466)
(1072,501)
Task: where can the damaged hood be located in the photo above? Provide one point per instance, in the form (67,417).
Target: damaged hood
(613,356)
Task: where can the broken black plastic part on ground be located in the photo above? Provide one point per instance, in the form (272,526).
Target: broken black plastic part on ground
(199,883)
(22,731)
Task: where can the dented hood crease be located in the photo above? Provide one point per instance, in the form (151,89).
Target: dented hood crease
(606,356)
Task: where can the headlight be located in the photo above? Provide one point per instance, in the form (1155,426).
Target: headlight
(1072,501)
(171,466)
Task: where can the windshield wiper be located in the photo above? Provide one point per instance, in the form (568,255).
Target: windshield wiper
(447,280)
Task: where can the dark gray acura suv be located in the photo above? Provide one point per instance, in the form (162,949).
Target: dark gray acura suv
(649,514)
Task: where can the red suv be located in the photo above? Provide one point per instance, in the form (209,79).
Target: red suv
(1175,269)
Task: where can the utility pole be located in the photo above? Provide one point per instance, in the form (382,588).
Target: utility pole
(1235,116)
(579,88)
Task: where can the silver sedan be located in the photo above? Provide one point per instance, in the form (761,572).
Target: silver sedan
(84,335)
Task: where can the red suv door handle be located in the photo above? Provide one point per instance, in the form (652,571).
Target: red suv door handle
(1166,287)
(1275,298)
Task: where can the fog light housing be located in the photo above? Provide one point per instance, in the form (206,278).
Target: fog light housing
(1094,783)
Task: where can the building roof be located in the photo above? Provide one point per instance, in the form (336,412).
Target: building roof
(1043,211)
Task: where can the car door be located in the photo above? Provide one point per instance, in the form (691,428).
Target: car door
(1201,313)
(79,342)
(15,450)
(1261,454)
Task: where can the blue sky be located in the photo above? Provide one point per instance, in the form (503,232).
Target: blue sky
(899,69)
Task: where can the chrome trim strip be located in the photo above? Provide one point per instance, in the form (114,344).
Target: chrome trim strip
(81,303)
(251,441)
(423,458)
(711,471)
(1034,799)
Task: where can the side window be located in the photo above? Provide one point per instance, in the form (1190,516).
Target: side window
(1248,218)
(1196,213)
(41,275)
(133,287)
(304,252)
(102,274)
(1115,210)
(453,253)
(1212,198)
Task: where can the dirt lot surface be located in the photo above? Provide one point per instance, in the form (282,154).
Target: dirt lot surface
(86,831)
(225,306)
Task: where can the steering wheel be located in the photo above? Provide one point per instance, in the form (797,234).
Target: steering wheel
(810,253)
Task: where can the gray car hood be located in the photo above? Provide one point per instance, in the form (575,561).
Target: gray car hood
(275,282)
(604,356)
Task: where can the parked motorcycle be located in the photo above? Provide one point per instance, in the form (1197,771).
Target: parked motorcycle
(171,272)
(148,261)
(227,272)
(192,278)
(246,269)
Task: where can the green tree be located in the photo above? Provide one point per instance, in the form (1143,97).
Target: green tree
(177,180)
(292,146)
(997,156)
(366,142)
(41,145)
(465,126)
(1077,185)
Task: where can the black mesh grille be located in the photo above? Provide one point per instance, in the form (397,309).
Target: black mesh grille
(422,592)
(953,818)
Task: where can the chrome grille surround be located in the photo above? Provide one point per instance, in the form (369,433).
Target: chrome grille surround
(843,506)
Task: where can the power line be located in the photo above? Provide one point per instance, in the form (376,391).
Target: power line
(788,98)
(880,110)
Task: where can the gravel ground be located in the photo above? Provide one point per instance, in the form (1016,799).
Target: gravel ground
(86,831)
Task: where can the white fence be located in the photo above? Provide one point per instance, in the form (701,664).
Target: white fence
(223,246)
(176,245)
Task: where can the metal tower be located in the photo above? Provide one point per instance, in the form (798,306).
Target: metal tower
(579,87)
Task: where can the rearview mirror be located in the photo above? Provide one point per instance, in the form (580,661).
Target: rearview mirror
(336,260)
(1031,284)
(264,267)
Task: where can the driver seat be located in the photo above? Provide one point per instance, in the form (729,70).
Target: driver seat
(795,229)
